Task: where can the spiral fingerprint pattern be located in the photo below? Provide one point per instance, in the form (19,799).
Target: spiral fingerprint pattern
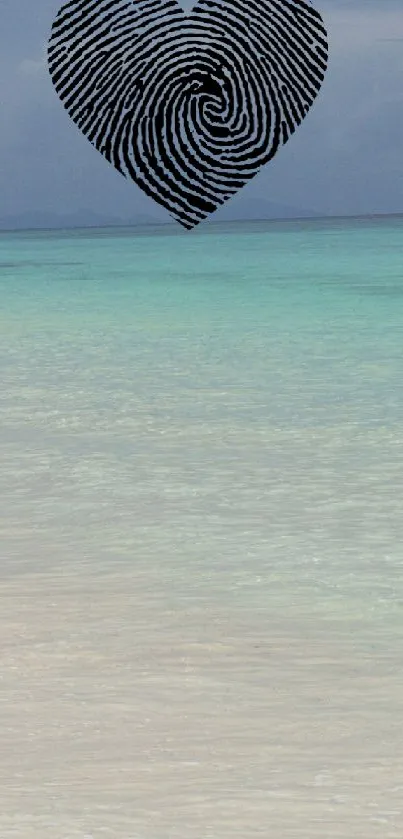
(189,106)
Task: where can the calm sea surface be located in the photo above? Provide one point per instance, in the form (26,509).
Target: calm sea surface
(201,532)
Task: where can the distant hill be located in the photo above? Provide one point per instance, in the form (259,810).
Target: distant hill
(240,209)
(234,210)
(82,218)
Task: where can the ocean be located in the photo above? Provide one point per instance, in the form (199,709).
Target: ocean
(201,531)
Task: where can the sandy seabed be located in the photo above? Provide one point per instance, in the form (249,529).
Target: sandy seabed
(125,716)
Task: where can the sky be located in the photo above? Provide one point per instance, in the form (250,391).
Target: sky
(346,158)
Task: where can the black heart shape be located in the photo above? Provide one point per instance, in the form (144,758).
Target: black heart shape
(190,106)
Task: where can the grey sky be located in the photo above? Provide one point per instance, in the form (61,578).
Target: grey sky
(346,158)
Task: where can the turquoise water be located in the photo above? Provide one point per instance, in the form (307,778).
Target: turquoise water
(223,407)
(201,532)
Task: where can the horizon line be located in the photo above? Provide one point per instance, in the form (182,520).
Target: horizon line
(202,224)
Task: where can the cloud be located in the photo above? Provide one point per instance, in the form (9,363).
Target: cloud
(33,67)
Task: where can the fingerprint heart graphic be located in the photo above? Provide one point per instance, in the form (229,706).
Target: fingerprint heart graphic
(189,106)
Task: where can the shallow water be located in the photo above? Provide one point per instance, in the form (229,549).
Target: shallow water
(201,526)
